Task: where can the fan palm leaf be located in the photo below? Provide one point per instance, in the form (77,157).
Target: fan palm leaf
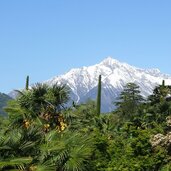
(69,150)
(15,163)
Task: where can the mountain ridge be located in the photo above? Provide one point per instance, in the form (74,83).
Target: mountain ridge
(115,74)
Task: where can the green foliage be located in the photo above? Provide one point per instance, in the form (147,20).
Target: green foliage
(159,93)
(69,150)
(41,134)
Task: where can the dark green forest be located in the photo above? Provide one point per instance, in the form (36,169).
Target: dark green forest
(3,102)
(41,134)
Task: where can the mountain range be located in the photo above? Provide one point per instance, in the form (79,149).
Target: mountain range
(115,75)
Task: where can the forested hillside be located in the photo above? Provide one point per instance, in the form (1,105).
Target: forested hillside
(3,102)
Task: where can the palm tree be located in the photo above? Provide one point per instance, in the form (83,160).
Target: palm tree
(58,96)
(42,102)
(42,95)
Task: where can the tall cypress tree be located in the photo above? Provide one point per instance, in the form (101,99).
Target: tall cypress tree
(27,83)
(99,96)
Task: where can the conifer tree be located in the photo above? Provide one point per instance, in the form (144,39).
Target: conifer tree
(129,100)
(160,93)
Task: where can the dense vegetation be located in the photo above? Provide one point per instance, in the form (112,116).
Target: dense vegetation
(41,134)
(3,102)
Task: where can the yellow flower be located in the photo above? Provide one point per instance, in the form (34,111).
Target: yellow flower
(63,126)
(46,126)
(32,168)
(26,123)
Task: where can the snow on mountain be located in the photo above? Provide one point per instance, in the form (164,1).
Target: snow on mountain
(83,81)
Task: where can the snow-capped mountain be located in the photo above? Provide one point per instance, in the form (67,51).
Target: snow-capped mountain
(83,81)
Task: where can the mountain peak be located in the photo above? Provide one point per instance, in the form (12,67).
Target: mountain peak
(154,70)
(109,61)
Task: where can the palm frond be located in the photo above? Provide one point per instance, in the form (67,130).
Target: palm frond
(16,162)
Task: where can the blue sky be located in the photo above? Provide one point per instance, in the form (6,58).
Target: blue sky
(44,38)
